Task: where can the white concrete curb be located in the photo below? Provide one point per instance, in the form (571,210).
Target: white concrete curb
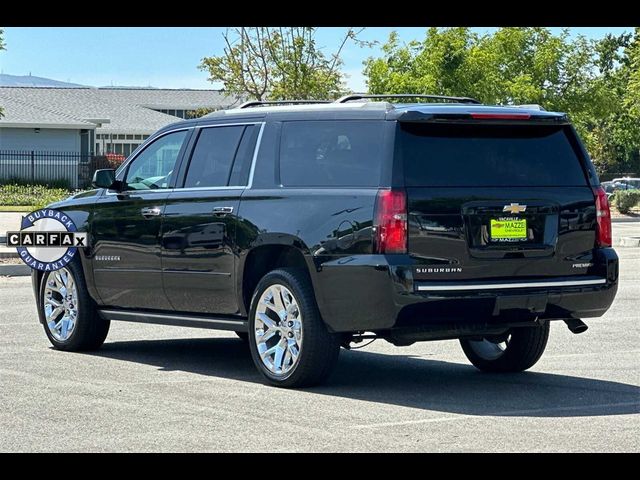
(625,219)
(629,242)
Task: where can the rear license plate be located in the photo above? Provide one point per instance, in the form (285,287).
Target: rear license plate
(508,229)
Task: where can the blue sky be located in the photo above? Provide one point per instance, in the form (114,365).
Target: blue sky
(167,57)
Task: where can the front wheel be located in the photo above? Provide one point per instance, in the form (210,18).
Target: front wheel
(69,314)
(514,351)
(289,342)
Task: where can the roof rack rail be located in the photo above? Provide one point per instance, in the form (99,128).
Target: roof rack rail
(258,103)
(358,96)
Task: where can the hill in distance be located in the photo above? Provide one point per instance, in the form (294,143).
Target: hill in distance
(7,80)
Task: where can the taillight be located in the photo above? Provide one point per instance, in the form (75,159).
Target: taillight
(603,217)
(390,222)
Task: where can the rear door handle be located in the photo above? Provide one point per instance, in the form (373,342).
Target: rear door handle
(221,211)
(149,212)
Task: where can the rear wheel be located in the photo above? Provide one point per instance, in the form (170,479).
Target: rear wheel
(69,314)
(516,350)
(289,342)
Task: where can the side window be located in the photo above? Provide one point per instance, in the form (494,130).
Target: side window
(344,153)
(244,157)
(213,155)
(153,167)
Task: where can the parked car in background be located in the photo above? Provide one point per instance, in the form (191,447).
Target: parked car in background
(608,187)
(626,183)
(612,186)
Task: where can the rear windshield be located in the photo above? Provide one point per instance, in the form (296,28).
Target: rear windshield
(488,155)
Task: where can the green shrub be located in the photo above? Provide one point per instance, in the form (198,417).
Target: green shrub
(64,183)
(36,195)
(625,200)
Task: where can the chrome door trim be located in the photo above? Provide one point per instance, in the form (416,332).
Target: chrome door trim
(195,127)
(255,156)
(499,286)
(148,141)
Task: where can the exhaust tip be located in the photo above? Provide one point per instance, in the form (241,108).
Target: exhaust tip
(576,326)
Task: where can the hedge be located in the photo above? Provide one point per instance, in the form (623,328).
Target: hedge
(37,195)
(625,200)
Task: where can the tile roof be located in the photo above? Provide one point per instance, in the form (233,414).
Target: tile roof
(129,110)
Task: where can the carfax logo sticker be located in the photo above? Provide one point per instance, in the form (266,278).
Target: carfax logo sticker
(48,239)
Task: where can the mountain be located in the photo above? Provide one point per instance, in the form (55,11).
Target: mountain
(127,87)
(7,80)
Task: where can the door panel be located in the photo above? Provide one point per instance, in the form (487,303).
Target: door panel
(198,235)
(126,227)
(127,251)
(200,221)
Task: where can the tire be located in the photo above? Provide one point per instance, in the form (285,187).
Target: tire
(523,348)
(301,330)
(88,331)
(244,336)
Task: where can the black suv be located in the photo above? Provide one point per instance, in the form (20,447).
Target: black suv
(305,228)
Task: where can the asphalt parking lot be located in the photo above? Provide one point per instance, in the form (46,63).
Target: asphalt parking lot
(157,388)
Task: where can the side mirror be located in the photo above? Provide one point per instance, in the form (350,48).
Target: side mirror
(105,178)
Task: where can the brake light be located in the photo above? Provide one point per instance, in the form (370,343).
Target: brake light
(603,217)
(390,222)
(500,116)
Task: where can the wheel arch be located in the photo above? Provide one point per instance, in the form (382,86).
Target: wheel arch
(80,259)
(287,252)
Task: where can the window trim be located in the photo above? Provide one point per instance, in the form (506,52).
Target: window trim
(145,143)
(125,166)
(181,153)
(254,157)
(189,157)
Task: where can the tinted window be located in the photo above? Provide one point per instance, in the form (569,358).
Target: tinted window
(213,156)
(331,153)
(488,155)
(244,157)
(153,167)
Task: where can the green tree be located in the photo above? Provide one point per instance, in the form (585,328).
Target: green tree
(200,112)
(631,61)
(587,79)
(513,65)
(278,63)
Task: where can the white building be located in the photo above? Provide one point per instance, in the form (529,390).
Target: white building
(94,120)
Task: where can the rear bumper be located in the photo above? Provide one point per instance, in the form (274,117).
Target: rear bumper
(378,292)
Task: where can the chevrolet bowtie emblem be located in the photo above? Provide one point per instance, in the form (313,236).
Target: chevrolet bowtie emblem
(514,208)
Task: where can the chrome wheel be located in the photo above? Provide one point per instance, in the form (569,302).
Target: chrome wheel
(278,329)
(60,304)
(490,348)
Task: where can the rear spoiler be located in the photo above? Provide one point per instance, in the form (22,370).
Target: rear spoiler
(509,117)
